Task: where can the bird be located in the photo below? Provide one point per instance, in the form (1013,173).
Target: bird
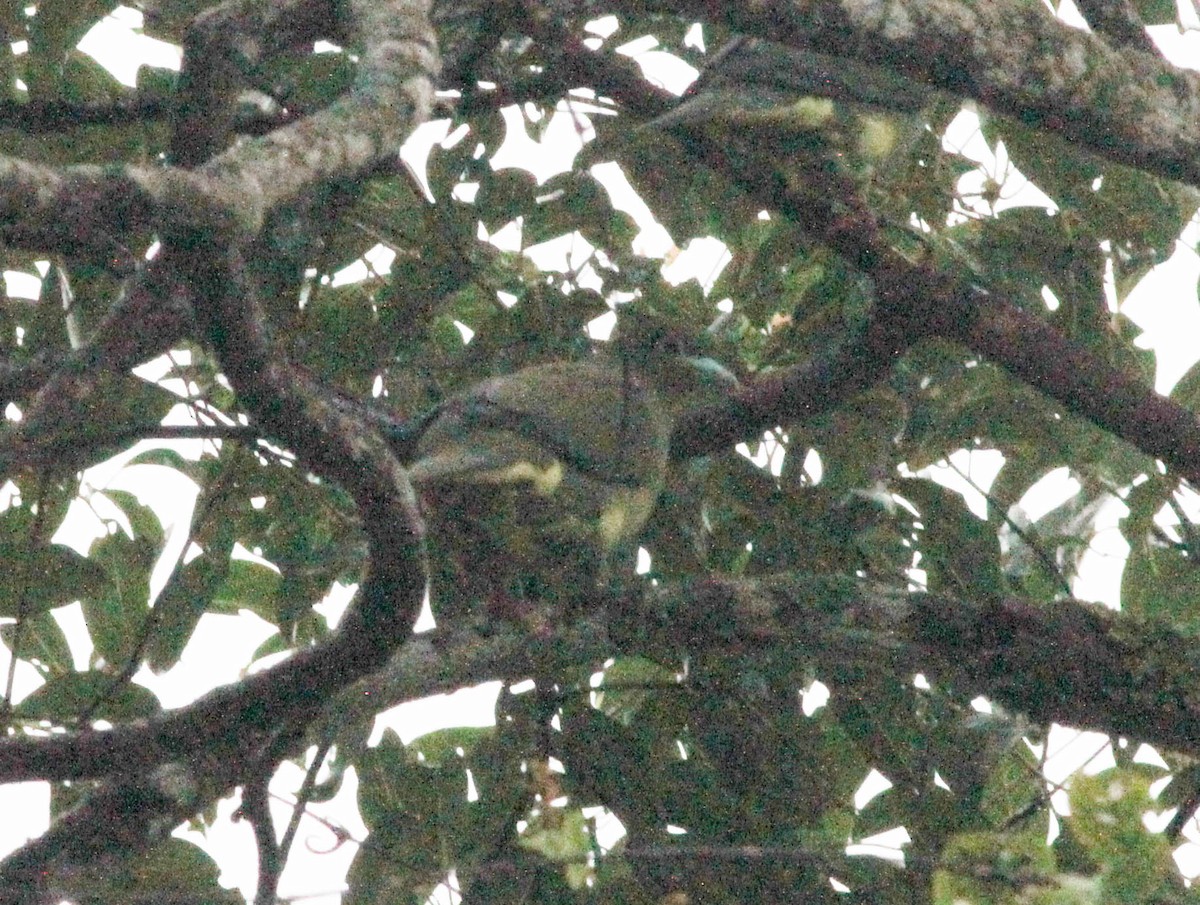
(535,483)
(748,79)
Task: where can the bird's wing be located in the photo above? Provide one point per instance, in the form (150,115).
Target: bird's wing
(579,415)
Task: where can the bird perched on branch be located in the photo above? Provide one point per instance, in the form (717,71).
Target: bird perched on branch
(535,481)
(792,100)
(748,78)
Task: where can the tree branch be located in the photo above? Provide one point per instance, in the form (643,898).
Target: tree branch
(1070,663)
(204,245)
(1010,56)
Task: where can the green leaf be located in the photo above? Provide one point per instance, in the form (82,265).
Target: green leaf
(505,196)
(173,870)
(1157,12)
(382,872)
(1046,160)
(857,442)
(1161,583)
(1107,809)
(84,81)
(168,458)
(309,81)
(248,585)
(53,33)
(64,698)
(1187,391)
(564,838)
(143,523)
(610,764)
(42,576)
(39,638)
(343,339)
(185,598)
(116,616)
(50,577)
(413,812)
(443,746)
(960,551)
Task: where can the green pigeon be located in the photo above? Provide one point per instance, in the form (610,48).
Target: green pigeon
(533,482)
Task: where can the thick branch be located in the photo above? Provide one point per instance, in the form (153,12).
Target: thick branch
(1070,662)
(918,300)
(88,210)
(339,447)
(245,182)
(1011,56)
(1083,381)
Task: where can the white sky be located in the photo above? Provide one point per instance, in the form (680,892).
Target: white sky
(1164,305)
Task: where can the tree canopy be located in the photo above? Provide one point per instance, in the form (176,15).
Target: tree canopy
(822,649)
